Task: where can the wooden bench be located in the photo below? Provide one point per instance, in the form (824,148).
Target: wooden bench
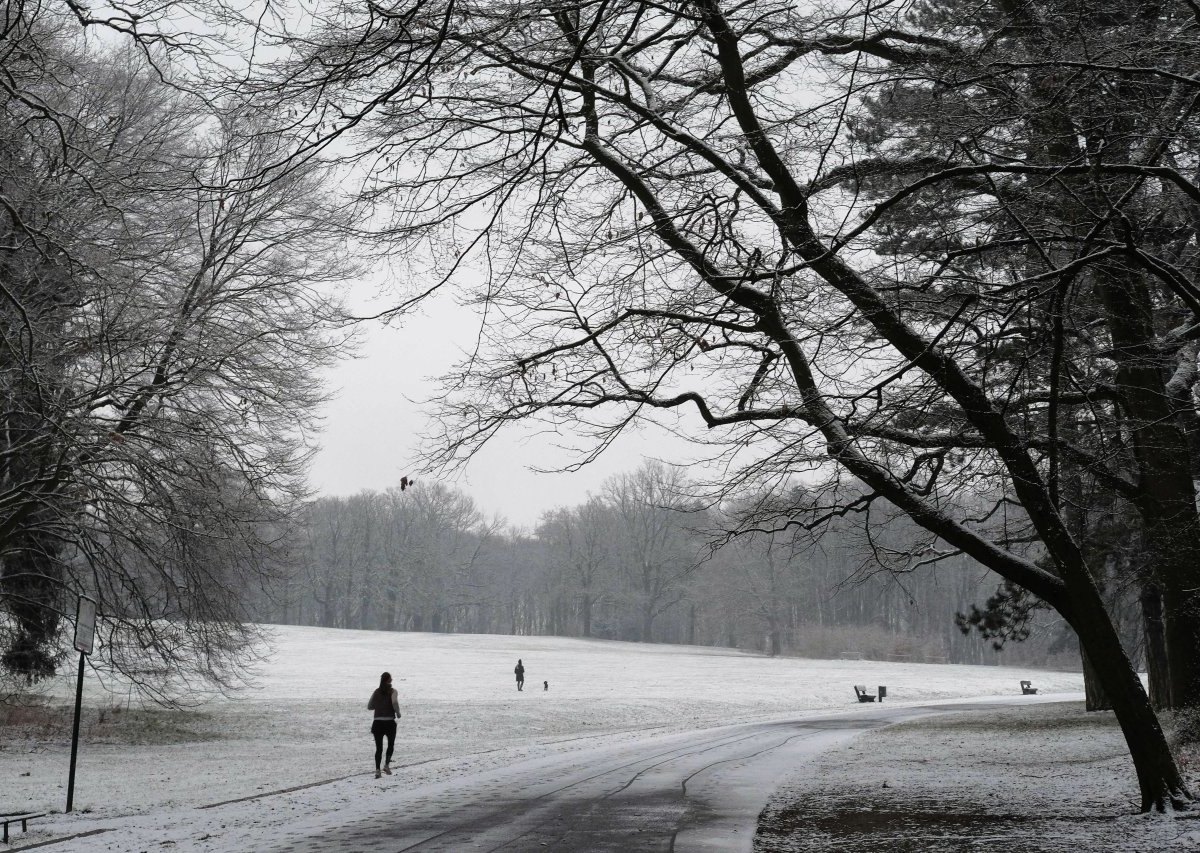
(22,817)
(861,692)
(1027,688)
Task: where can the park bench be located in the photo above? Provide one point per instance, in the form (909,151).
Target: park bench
(1027,688)
(861,692)
(22,817)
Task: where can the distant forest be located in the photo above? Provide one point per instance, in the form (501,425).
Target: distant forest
(639,562)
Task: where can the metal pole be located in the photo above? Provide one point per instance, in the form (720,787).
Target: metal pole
(75,734)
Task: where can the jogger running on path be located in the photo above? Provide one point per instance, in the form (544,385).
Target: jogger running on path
(386,705)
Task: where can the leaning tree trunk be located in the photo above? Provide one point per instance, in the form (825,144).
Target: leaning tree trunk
(1074,513)
(1159,781)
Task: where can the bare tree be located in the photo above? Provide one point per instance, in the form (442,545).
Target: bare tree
(580,547)
(761,579)
(163,327)
(653,551)
(664,199)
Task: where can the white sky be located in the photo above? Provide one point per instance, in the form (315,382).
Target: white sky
(372,427)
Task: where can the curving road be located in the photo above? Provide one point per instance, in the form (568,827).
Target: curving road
(697,791)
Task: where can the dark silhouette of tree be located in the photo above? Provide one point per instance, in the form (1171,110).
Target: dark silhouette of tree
(859,238)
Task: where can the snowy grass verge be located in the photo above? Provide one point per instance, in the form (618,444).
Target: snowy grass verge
(1037,778)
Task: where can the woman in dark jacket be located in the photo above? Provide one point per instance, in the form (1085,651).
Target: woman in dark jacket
(386,705)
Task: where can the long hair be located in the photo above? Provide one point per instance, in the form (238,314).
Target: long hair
(383,694)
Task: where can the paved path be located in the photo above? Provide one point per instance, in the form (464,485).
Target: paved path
(698,791)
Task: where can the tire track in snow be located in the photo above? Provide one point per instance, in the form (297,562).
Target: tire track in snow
(574,784)
(685,752)
(547,807)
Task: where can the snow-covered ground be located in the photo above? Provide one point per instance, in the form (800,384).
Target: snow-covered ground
(307,723)
(1040,778)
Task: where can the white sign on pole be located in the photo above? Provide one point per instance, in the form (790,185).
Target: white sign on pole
(85,625)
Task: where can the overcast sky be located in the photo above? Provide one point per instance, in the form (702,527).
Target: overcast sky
(372,427)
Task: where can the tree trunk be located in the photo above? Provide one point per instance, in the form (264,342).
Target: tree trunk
(1093,694)
(1155,645)
(648,622)
(1167,496)
(327,606)
(1159,781)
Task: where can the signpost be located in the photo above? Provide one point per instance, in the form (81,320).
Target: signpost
(85,642)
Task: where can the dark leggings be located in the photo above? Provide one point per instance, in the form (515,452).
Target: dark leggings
(381,729)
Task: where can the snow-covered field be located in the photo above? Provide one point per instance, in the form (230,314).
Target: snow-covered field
(307,721)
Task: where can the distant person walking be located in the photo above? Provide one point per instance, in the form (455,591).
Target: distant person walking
(386,705)
(520,671)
